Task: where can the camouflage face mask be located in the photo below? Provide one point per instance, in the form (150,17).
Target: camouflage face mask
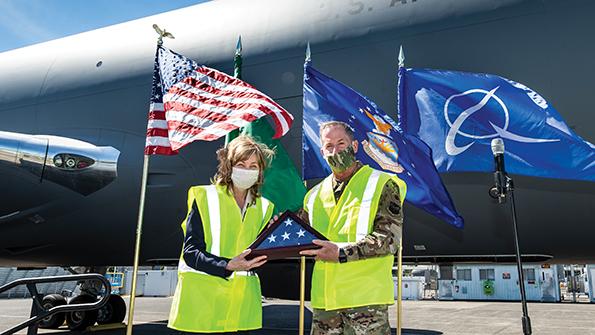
(340,161)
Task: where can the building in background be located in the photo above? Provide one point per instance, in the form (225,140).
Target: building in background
(498,282)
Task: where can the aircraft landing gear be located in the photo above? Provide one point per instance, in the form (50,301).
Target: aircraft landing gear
(113,312)
(80,312)
(79,320)
(56,320)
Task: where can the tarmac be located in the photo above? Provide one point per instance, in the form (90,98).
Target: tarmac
(419,317)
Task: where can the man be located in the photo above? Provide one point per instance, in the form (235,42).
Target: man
(359,210)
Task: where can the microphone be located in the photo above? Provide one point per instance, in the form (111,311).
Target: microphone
(500,172)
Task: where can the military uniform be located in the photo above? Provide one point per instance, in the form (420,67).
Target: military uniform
(383,240)
(370,320)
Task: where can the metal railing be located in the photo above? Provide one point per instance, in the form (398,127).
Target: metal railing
(38,312)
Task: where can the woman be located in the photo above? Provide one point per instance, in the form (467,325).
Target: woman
(216,290)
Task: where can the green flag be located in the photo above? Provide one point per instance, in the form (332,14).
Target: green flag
(282,183)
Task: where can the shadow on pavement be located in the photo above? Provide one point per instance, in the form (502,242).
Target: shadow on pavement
(276,320)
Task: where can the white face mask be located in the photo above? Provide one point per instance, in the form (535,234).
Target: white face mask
(244,178)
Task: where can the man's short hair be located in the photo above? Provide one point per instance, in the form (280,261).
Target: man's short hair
(348,130)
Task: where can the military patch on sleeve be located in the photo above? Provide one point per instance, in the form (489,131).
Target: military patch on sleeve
(394,208)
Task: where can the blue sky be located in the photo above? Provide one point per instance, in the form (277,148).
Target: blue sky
(26,22)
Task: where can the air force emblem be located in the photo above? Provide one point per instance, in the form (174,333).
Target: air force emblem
(379,146)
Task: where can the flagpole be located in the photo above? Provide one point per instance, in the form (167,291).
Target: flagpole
(302,288)
(302,292)
(400,252)
(139,232)
(399,285)
(237,59)
(303,258)
(141,211)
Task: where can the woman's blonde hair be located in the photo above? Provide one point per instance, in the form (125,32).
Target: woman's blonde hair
(240,149)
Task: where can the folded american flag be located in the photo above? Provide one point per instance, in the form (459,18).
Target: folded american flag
(191,102)
(286,237)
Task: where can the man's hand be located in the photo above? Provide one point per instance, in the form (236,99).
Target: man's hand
(240,263)
(329,251)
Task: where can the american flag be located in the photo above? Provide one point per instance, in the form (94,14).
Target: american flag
(289,233)
(191,102)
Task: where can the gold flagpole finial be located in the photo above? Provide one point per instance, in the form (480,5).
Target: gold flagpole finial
(162,33)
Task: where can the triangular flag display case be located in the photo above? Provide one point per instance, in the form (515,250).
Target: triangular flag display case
(285,238)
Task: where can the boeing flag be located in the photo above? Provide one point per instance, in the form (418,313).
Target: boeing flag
(384,145)
(458,114)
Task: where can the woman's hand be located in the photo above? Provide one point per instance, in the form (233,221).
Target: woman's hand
(240,263)
(275,218)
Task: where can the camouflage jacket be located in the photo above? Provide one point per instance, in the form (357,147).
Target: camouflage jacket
(388,223)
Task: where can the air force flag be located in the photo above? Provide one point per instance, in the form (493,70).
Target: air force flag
(458,114)
(383,146)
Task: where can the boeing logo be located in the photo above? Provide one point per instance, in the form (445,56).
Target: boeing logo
(499,131)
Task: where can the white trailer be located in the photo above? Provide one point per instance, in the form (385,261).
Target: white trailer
(499,282)
(590,287)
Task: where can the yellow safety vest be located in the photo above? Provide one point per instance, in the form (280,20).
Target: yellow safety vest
(357,283)
(206,303)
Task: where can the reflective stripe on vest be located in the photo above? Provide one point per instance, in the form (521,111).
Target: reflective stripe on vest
(310,206)
(230,304)
(183,267)
(215,218)
(215,224)
(365,206)
(345,221)
(264,205)
(363,218)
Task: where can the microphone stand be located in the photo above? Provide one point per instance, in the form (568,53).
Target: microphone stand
(526,320)
(508,189)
